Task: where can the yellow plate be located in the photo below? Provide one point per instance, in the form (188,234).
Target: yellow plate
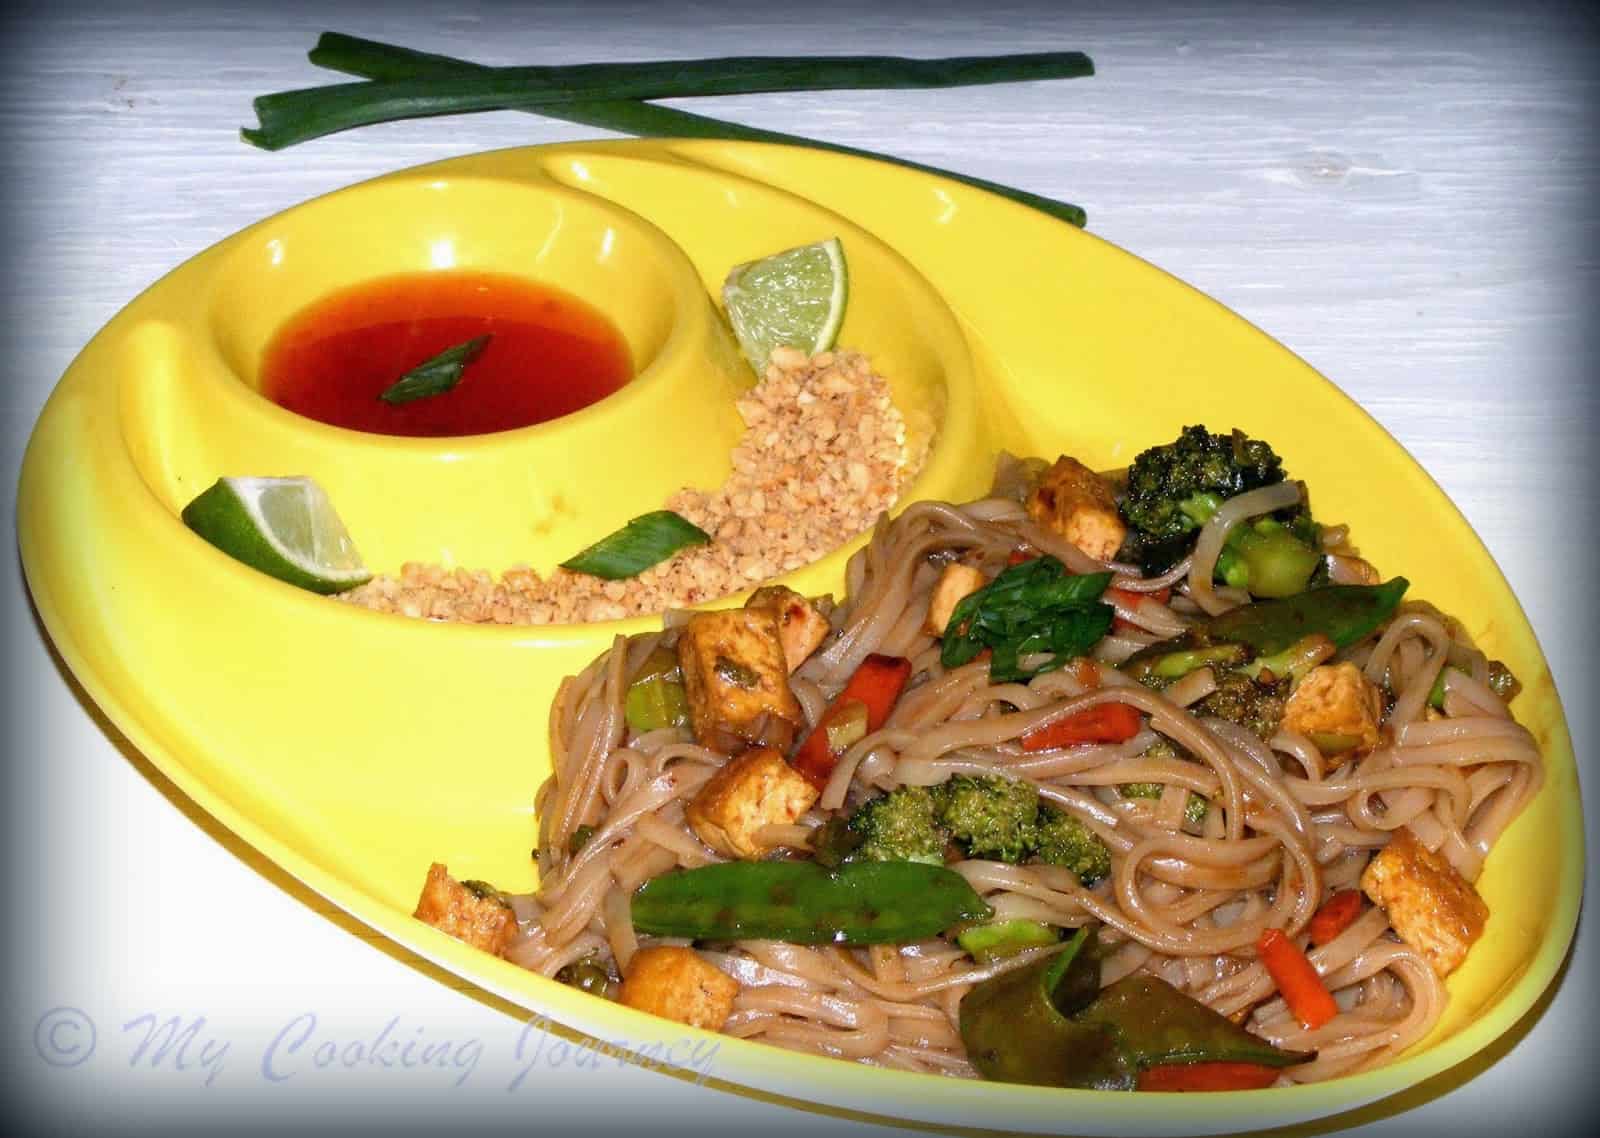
(354,748)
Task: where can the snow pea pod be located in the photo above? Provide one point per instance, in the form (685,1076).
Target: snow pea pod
(875,902)
(1050,1024)
(1342,613)
(1154,1024)
(1017,1026)
(1268,628)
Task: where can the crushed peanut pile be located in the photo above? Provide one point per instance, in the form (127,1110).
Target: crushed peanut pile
(823,454)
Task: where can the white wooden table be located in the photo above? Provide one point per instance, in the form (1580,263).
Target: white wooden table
(1404,200)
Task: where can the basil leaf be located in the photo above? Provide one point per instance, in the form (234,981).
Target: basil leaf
(435,376)
(643,542)
(1034,607)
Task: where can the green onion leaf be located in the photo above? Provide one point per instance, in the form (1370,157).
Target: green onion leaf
(372,59)
(645,541)
(288,117)
(1034,607)
(435,376)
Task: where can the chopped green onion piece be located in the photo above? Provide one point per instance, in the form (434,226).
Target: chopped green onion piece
(834,841)
(656,698)
(1503,682)
(998,939)
(1333,743)
(645,541)
(847,726)
(656,702)
(1436,693)
(735,674)
(580,838)
(435,376)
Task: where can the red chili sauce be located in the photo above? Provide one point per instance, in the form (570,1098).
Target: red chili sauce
(549,354)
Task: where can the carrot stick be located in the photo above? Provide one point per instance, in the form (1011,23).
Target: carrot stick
(1214,1076)
(1302,989)
(877,683)
(1103,723)
(1337,914)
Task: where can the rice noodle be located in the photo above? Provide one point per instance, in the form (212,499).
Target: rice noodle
(1184,902)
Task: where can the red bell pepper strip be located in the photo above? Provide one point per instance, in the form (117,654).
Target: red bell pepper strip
(1129,597)
(1102,723)
(1338,913)
(1219,1075)
(1019,555)
(1086,672)
(1302,989)
(877,683)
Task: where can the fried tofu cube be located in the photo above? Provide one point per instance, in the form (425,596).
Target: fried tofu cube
(756,789)
(470,911)
(1433,908)
(801,628)
(955,584)
(679,984)
(1337,707)
(736,680)
(1078,504)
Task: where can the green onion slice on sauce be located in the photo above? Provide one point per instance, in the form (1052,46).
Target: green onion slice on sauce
(435,376)
(645,541)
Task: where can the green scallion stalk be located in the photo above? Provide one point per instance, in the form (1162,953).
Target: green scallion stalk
(434,376)
(373,59)
(288,117)
(645,541)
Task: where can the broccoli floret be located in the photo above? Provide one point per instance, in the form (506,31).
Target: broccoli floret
(899,826)
(1061,839)
(1195,807)
(985,816)
(1174,489)
(588,975)
(990,816)
(1253,705)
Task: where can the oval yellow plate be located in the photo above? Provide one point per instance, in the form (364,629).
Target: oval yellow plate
(355,748)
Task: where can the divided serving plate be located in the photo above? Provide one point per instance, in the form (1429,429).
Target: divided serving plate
(355,748)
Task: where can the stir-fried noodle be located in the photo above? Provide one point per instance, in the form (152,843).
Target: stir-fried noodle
(1183,902)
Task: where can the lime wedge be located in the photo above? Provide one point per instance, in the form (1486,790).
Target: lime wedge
(791,299)
(285,527)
